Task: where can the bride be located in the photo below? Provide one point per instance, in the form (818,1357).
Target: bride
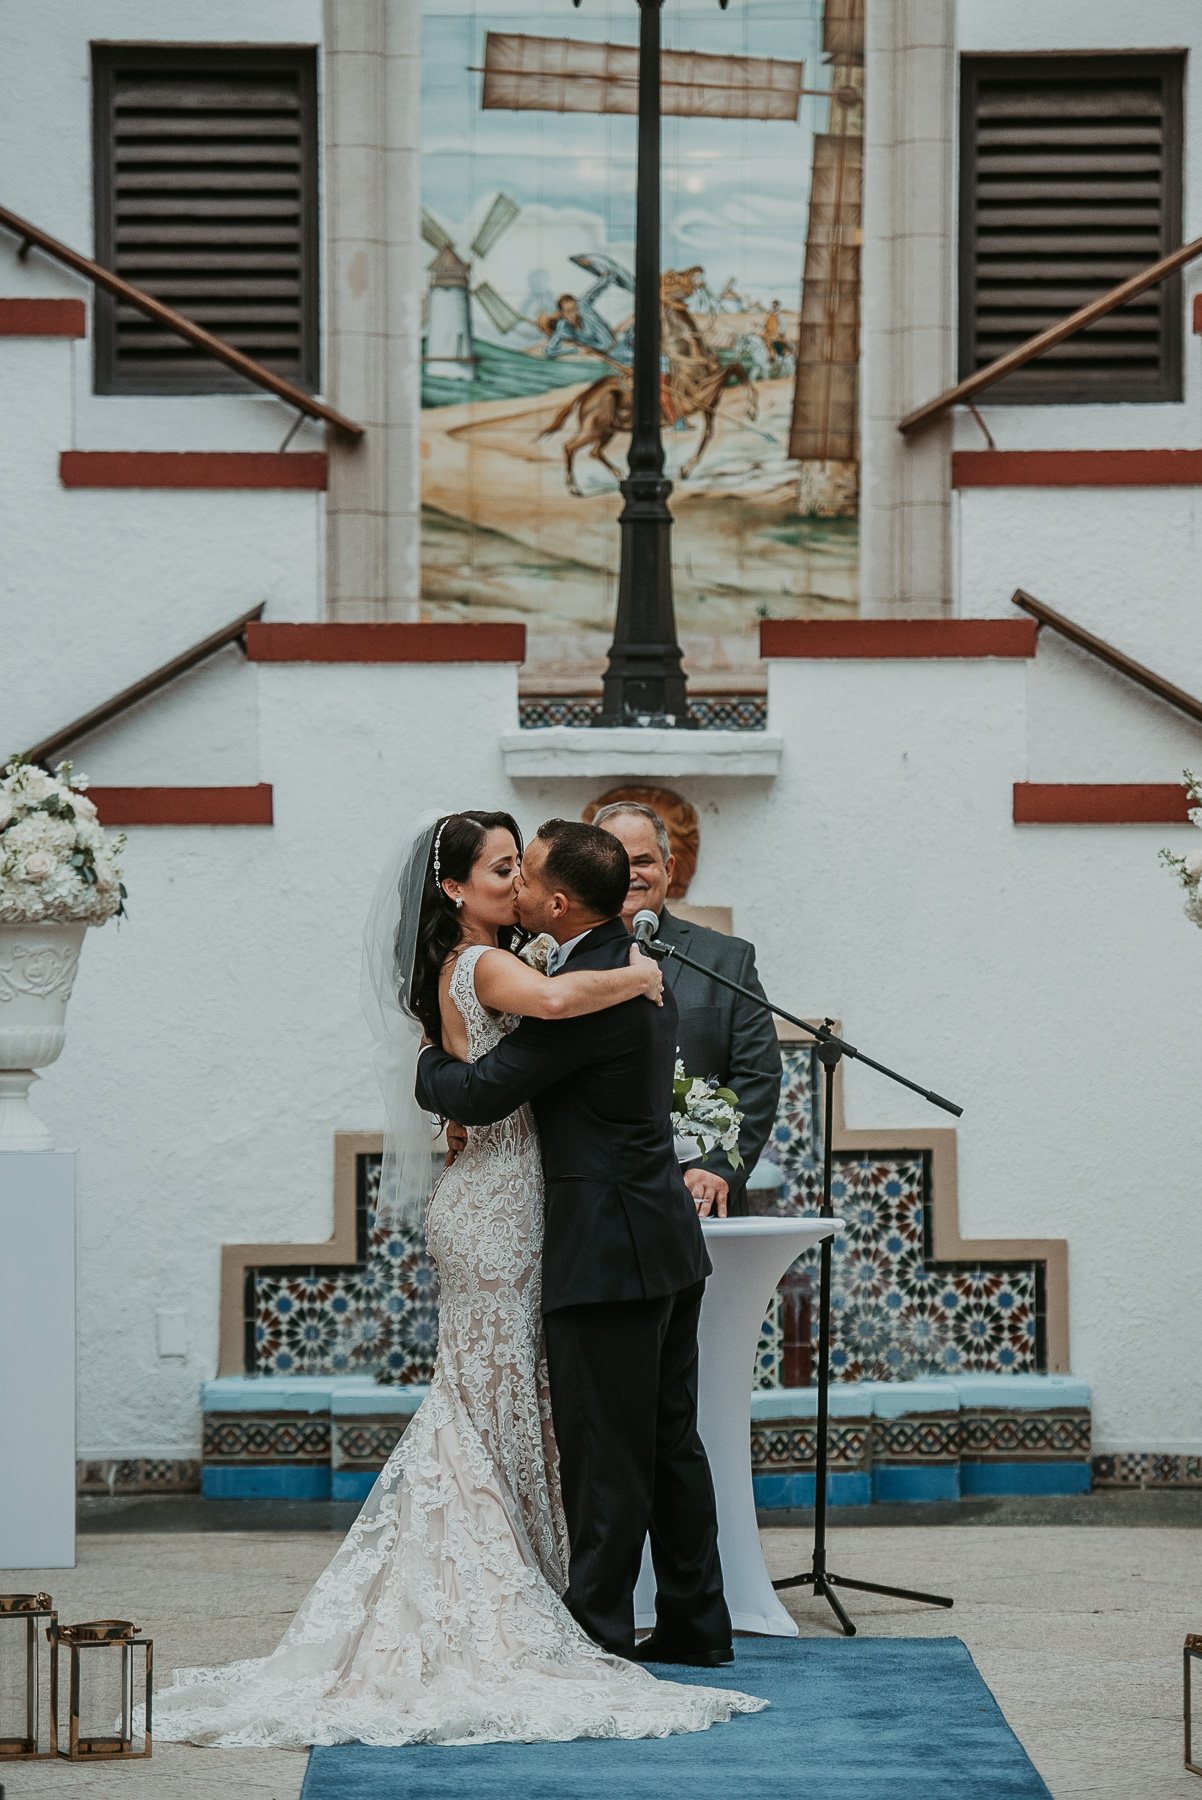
(439,1619)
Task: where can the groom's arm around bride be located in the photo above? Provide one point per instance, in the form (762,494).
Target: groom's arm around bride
(624,1261)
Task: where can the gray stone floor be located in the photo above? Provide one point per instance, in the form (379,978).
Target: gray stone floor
(1077,1629)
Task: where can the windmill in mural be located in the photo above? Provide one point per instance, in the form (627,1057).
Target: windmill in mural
(824,436)
(451,291)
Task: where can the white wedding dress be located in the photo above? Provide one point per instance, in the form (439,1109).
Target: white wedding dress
(440,1619)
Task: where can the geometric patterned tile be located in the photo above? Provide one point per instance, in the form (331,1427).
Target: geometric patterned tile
(708,712)
(1146,1469)
(365,1443)
(917,1439)
(295,1438)
(138,1475)
(1016,1436)
(896,1315)
(376,1317)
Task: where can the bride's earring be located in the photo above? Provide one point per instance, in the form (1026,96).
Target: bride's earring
(459,899)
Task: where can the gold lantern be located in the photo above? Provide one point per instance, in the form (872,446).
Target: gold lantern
(19,1700)
(100,1719)
(1193,1650)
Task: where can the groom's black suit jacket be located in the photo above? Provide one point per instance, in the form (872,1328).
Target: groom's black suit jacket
(620,1222)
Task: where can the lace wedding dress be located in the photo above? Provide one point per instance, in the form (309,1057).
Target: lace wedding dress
(439,1619)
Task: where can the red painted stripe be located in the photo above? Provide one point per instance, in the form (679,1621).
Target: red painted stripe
(43,318)
(1076,468)
(191,469)
(183,805)
(896,637)
(1100,803)
(386,643)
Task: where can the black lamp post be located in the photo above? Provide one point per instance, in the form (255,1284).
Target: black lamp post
(645,683)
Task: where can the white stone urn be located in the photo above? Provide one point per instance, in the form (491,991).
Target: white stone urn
(37,969)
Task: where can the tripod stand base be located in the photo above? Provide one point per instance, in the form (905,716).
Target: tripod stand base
(824,1585)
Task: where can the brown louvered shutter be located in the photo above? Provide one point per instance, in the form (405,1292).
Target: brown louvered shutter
(206,197)
(1070,183)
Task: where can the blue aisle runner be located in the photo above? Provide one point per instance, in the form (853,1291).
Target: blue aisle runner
(850,1719)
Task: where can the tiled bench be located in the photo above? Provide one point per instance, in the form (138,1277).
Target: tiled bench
(317,1438)
(954,1436)
(299,1437)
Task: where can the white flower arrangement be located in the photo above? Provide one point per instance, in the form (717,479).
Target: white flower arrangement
(707,1112)
(537,953)
(56,863)
(1188,869)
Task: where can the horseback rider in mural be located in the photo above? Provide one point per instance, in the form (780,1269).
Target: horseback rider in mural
(692,375)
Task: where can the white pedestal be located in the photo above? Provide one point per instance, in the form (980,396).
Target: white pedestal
(37,1360)
(749,1258)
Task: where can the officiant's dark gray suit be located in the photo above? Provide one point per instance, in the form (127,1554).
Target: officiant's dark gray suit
(722,1034)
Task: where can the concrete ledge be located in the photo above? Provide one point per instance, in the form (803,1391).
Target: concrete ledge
(270,1393)
(374,1400)
(573,751)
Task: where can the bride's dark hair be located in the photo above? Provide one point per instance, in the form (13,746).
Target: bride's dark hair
(460,840)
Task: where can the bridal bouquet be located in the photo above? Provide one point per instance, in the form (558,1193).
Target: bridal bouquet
(56,863)
(1188,869)
(707,1114)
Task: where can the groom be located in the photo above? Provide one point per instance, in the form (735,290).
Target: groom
(624,1264)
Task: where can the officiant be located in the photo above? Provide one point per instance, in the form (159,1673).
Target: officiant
(720,1033)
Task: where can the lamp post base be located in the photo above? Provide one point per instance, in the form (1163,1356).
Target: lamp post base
(644,682)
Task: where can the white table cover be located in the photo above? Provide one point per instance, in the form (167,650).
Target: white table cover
(749,1258)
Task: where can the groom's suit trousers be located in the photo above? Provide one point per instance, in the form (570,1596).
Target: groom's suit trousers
(624,1401)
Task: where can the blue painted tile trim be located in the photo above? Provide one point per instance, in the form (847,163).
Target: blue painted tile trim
(1024,1478)
(774,1491)
(890,1482)
(351,1484)
(264,1481)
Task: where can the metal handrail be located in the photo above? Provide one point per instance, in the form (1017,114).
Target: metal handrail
(1045,340)
(166,315)
(149,684)
(1115,659)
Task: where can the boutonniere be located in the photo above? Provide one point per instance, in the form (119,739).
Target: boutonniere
(537,952)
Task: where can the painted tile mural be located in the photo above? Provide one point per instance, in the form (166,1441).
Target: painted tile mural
(528,216)
(896,1315)
(377,1317)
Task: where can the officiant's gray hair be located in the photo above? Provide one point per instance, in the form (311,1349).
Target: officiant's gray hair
(637,810)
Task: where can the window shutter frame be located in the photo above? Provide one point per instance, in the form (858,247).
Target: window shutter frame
(110,64)
(1042,382)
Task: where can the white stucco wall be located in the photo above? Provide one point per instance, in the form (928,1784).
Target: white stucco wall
(120,581)
(216,1042)
(1042,976)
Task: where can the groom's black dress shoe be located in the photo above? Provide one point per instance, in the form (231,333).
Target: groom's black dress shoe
(654,1650)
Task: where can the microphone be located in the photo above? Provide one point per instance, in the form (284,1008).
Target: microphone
(645,927)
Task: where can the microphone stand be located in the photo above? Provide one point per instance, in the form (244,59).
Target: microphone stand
(831,1050)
